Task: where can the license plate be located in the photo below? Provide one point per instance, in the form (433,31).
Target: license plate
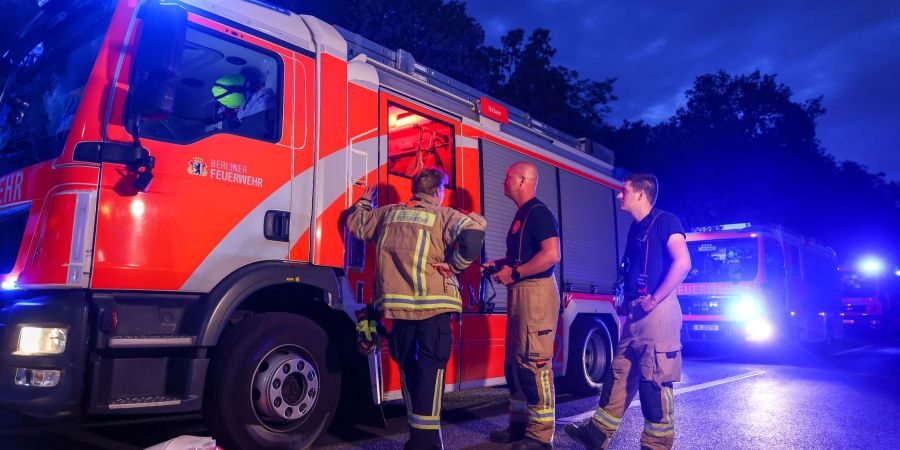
(849,321)
(705,327)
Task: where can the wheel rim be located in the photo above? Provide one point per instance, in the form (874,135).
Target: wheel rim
(594,356)
(285,388)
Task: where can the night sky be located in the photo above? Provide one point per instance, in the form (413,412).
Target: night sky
(848,51)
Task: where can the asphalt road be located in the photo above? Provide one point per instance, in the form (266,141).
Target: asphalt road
(846,398)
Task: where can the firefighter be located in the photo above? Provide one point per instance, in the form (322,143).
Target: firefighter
(532,252)
(229,91)
(246,102)
(421,246)
(648,357)
(260,98)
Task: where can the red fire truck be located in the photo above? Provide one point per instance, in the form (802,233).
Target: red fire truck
(172,179)
(869,297)
(759,284)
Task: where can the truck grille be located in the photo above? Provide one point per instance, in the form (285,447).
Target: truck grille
(854,308)
(704,305)
(12,228)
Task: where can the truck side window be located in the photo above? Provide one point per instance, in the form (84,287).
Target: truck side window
(417,142)
(774,260)
(226,86)
(795,267)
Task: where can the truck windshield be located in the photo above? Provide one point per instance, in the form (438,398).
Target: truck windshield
(855,285)
(50,67)
(723,260)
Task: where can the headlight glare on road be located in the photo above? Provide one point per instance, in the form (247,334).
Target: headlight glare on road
(759,330)
(35,341)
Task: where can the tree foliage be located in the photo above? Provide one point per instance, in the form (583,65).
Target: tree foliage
(444,37)
(741,149)
(438,34)
(523,74)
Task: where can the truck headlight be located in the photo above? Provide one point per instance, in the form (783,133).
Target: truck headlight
(8,284)
(37,377)
(748,307)
(34,341)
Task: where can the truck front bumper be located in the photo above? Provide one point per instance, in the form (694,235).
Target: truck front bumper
(45,309)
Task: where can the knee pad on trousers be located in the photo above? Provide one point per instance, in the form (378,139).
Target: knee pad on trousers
(528,384)
(651,401)
(510,379)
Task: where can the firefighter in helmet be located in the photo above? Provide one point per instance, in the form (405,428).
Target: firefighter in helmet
(246,103)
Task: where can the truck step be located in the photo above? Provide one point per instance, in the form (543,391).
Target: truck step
(146,401)
(151,341)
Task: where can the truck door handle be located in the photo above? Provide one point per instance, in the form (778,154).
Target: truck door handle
(277,225)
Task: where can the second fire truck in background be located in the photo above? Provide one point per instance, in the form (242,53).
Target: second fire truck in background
(869,297)
(759,284)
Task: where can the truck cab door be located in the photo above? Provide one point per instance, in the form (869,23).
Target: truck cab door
(219,196)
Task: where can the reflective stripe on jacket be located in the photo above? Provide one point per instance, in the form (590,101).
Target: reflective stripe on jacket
(410,237)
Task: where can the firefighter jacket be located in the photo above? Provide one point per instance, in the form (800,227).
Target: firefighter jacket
(409,238)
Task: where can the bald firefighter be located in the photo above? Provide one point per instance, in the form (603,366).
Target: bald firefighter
(532,252)
(648,357)
(421,246)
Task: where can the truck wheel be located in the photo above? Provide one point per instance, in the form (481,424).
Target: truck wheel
(590,356)
(273,383)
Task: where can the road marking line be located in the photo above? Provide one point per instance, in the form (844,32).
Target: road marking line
(712,358)
(678,391)
(851,350)
(709,384)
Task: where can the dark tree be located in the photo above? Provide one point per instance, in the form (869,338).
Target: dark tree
(438,34)
(742,150)
(442,36)
(524,76)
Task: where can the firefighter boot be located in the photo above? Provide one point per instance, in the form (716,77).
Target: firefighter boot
(586,434)
(530,444)
(409,446)
(514,432)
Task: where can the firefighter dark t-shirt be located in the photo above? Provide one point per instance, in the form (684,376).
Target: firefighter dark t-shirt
(665,225)
(539,225)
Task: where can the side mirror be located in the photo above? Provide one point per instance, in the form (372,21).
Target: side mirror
(157,64)
(136,158)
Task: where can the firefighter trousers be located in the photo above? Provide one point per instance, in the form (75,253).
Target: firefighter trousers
(647,361)
(421,349)
(530,329)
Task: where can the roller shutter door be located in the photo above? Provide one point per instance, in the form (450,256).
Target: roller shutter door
(499,210)
(589,234)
